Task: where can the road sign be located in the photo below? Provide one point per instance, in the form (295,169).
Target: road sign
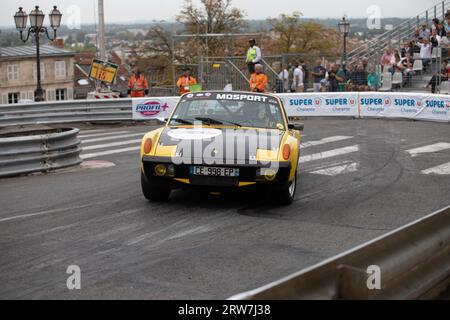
(103,71)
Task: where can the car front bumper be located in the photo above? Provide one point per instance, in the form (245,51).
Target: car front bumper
(249,175)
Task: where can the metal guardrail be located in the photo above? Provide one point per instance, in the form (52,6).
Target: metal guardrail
(414,261)
(65,112)
(39,151)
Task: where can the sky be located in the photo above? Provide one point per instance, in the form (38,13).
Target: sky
(118,11)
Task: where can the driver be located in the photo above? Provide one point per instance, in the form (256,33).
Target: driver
(255,114)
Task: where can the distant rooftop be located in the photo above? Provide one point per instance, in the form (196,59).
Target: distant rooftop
(30,51)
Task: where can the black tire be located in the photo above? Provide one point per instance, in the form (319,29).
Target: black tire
(286,195)
(154,193)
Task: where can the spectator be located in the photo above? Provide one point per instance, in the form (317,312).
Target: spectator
(185,81)
(435,39)
(254,56)
(406,49)
(408,71)
(358,79)
(373,79)
(416,35)
(447,23)
(435,24)
(386,59)
(414,48)
(344,75)
(297,83)
(441,30)
(445,42)
(305,74)
(365,64)
(425,52)
(335,76)
(258,80)
(438,78)
(318,74)
(282,83)
(424,32)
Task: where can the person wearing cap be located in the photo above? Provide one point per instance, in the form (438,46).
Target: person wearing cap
(185,81)
(258,80)
(137,85)
(253,56)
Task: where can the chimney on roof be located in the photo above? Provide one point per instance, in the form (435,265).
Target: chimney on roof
(58,43)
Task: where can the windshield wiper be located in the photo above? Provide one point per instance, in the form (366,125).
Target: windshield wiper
(183,121)
(215,121)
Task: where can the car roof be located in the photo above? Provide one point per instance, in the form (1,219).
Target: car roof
(231,92)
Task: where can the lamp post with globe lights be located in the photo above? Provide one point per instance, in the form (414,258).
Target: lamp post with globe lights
(344,28)
(37,30)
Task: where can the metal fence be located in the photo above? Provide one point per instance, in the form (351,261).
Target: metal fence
(36,151)
(219,72)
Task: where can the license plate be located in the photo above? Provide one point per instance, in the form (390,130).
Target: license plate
(214,172)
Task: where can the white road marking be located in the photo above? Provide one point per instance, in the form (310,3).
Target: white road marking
(324,141)
(432,148)
(112,144)
(40,213)
(329,154)
(443,169)
(105,153)
(97,164)
(113,138)
(94,131)
(95,135)
(337,170)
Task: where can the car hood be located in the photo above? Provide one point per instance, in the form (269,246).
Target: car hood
(226,144)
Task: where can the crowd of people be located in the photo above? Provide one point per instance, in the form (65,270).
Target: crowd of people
(335,77)
(327,77)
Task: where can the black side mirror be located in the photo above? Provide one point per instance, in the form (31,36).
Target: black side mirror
(296,126)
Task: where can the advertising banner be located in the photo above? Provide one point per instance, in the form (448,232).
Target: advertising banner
(337,104)
(153,108)
(334,104)
(404,105)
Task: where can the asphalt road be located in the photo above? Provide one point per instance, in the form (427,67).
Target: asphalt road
(358,180)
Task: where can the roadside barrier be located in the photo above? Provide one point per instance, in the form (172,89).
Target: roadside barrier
(39,151)
(379,105)
(412,262)
(65,112)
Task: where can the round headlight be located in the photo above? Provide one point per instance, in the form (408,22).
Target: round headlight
(160,170)
(270,175)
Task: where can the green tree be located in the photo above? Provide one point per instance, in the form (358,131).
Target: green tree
(294,36)
(212,16)
(287,28)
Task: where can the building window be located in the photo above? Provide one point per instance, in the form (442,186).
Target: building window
(61,94)
(13,97)
(13,72)
(35,71)
(60,69)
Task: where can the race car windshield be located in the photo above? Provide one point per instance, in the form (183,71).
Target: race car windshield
(229,113)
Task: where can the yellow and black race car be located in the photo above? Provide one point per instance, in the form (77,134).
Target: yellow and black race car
(222,140)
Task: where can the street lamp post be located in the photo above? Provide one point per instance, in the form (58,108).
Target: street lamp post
(344,28)
(37,29)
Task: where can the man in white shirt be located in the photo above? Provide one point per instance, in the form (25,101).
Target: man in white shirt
(283,77)
(297,84)
(425,51)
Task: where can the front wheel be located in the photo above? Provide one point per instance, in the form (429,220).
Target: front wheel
(286,195)
(153,192)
